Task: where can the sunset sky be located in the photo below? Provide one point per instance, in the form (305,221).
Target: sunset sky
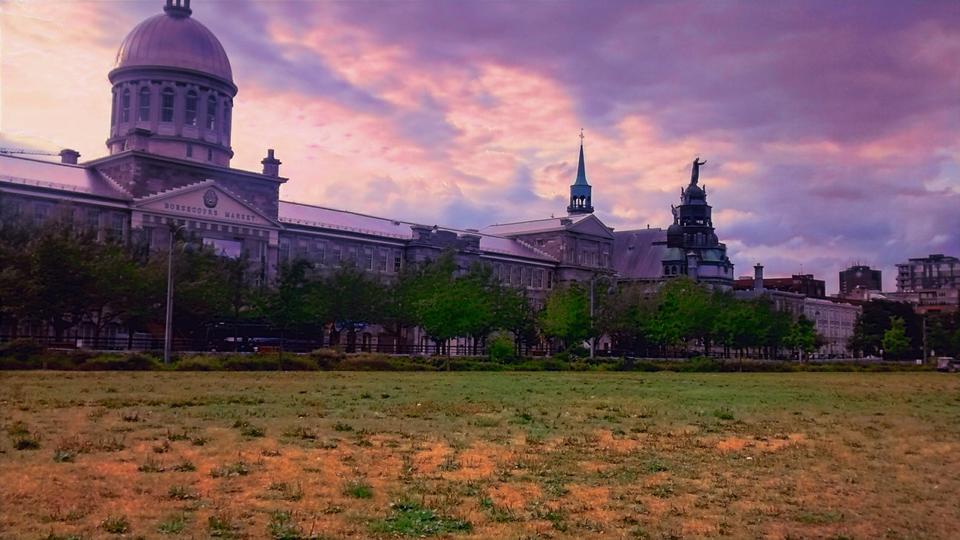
(831,130)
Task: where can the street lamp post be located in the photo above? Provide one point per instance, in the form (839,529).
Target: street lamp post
(168,326)
(593,280)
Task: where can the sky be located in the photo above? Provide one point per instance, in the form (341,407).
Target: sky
(831,129)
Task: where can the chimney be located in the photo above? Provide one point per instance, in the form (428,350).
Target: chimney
(758,277)
(69,156)
(271,165)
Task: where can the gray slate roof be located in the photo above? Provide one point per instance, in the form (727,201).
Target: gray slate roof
(638,254)
(534,226)
(292,213)
(50,175)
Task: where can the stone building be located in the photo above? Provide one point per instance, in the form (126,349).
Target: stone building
(168,166)
(931,284)
(804,284)
(833,319)
(860,278)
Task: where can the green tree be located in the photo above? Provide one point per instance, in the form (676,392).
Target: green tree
(348,299)
(685,312)
(895,341)
(59,283)
(512,312)
(623,316)
(803,336)
(289,303)
(566,315)
(874,321)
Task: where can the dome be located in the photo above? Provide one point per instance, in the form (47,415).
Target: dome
(173,39)
(695,192)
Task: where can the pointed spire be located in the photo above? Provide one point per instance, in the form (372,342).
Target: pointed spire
(581,169)
(580,190)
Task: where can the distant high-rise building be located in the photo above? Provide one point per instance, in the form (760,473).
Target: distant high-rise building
(931,283)
(937,271)
(860,277)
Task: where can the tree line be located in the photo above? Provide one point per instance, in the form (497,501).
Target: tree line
(56,277)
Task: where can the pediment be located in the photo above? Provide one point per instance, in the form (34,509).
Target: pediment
(205,201)
(592,226)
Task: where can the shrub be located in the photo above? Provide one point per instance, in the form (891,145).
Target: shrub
(699,364)
(126,362)
(199,363)
(21,349)
(500,348)
(298,363)
(242,362)
(327,358)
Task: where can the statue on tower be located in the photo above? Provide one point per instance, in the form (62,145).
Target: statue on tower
(695,173)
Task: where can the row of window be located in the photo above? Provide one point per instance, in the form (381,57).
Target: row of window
(332,254)
(523,276)
(168,100)
(92,219)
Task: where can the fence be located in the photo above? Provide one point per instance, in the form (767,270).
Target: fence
(265,344)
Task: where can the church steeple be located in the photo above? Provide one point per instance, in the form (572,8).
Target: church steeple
(580,190)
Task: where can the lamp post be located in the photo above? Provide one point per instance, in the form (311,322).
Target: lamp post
(593,280)
(168,326)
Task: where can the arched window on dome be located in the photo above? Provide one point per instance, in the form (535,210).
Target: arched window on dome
(227,109)
(113,109)
(211,112)
(191,119)
(166,105)
(125,104)
(144,104)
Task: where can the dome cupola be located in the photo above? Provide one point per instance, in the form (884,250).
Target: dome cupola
(173,89)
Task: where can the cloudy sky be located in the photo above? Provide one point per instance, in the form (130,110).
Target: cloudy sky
(831,129)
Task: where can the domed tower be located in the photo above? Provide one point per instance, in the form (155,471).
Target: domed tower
(172,90)
(693,248)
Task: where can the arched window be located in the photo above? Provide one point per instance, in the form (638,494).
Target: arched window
(125,104)
(166,105)
(113,109)
(144,104)
(227,109)
(211,112)
(191,119)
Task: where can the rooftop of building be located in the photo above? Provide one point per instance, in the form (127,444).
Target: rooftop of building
(40,173)
(308,215)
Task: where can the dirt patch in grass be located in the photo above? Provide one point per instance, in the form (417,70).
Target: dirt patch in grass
(775,444)
(514,496)
(429,460)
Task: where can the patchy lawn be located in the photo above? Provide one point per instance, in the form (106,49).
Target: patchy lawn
(479,455)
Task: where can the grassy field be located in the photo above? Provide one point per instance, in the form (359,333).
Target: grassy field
(479,455)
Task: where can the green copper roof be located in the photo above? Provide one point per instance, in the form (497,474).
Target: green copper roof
(581,171)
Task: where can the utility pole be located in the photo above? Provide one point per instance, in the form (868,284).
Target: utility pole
(593,281)
(923,326)
(168,326)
